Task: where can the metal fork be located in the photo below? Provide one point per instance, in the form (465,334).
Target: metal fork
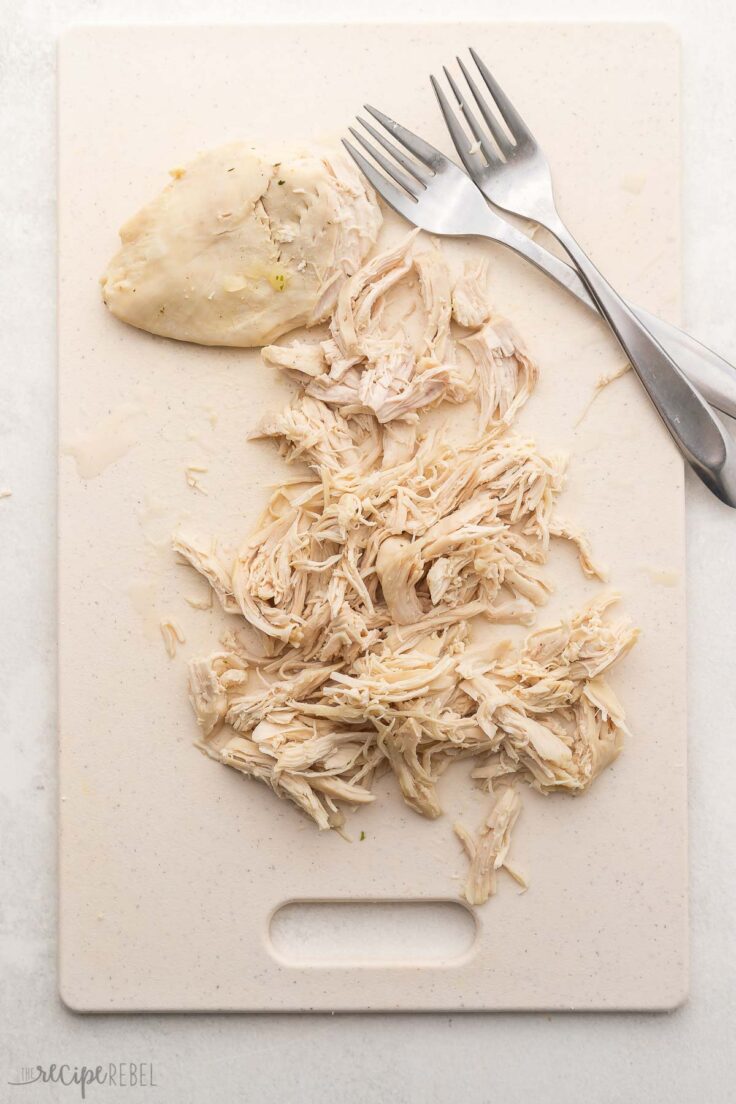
(434,194)
(512,171)
(448,207)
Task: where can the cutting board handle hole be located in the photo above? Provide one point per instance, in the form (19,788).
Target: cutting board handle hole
(372,933)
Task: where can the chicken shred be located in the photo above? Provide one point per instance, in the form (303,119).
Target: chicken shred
(172,635)
(487,853)
(362,586)
(505,374)
(469,296)
(582,545)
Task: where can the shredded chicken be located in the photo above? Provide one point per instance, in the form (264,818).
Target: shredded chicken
(363,366)
(363,585)
(506,376)
(469,296)
(488,852)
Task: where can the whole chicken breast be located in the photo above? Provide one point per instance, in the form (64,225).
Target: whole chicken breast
(238,248)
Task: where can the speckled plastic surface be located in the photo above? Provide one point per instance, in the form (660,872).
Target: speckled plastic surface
(172,866)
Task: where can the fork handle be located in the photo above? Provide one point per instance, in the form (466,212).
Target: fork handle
(695,429)
(713,376)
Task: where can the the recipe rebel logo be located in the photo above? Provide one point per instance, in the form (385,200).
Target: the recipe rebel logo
(118,1075)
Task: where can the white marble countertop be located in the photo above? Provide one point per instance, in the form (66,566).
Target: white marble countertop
(683,1056)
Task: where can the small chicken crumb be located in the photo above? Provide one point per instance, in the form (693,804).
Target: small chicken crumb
(603,382)
(192,471)
(634,183)
(177,172)
(5,492)
(171,633)
(609,377)
(204,603)
(662,576)
(518,876)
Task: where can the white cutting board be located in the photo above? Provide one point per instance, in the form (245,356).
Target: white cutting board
(172,866)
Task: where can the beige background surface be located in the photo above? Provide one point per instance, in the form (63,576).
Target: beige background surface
(563,1058)
(171,866)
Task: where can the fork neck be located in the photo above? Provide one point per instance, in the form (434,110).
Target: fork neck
(549,218)
(592,278)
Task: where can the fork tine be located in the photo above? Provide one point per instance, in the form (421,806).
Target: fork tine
(511,116)
(396,199)
(488,153)
(458,135)
(422,150)
(389,167)
(499,136)
(417,171)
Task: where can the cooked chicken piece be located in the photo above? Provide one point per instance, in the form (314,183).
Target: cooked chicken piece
(582,544)
(436,290)
(506,376)
(245,756)
(399,567)
(389,387)
(561,722)
(417,784)
(239,249)
(172,635)
(469,296)
(314,433)
(399,442)
(488,852)
(246,711)
(207,695)
(302,358)
(206,558)
(355,324)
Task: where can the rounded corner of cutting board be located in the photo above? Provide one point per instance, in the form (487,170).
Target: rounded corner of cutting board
(74,999)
